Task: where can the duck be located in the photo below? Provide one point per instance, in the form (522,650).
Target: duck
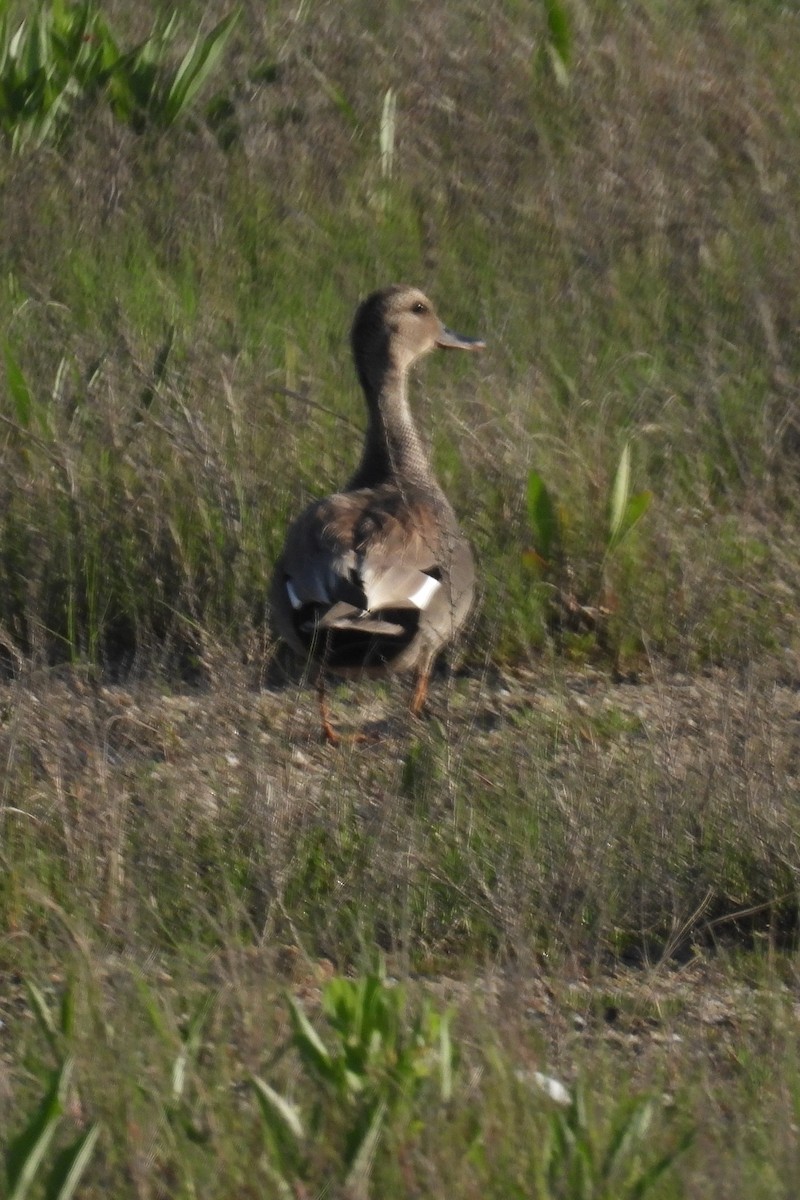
(378,578)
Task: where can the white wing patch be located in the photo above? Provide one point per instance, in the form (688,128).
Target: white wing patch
(294,599)
(424,593)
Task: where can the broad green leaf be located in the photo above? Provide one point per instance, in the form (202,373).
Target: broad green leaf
(70,1165)
(559,30)
(619,493)
(18,387)
(371,1009)
(557,48)
(308,1042)
(557,63)
(635,509)
(33,56)
(542,516)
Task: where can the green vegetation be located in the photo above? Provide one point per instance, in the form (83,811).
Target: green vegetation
(28,1150)
(373,1078)
(548,558)
(585,866)
(65,56)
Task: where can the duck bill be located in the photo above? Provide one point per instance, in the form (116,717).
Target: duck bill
(448,340)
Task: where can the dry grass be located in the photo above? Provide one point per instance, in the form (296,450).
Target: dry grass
(601,879)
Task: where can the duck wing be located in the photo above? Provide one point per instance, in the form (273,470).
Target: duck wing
(363,565)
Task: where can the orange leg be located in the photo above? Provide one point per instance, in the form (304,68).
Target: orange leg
(328,732)
(420,692)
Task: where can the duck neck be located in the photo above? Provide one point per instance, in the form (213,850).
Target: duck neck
(393,448)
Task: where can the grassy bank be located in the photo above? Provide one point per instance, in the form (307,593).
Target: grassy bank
(588,856)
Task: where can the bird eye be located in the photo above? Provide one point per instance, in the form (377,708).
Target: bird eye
(419,307)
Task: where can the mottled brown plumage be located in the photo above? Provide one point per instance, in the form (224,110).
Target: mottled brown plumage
(379,577)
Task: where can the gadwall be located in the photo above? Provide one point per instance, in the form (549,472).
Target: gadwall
(378,578)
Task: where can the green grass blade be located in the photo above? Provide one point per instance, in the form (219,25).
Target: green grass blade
(387,132)
(25,1154)
(335,94)
(66,1014)
(446,1058)
(276,1108)
(190,1047)
(362,1152)
(633,1121)
(18,387)
(15,45)
(70,1166)
(4,42)
(43,1015)
(198,63)
(161,37)
(664,1163)
(153,1010)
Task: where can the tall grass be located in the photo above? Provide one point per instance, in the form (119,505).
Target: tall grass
(618,265)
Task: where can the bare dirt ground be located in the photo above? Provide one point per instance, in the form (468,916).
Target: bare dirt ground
(209,739)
